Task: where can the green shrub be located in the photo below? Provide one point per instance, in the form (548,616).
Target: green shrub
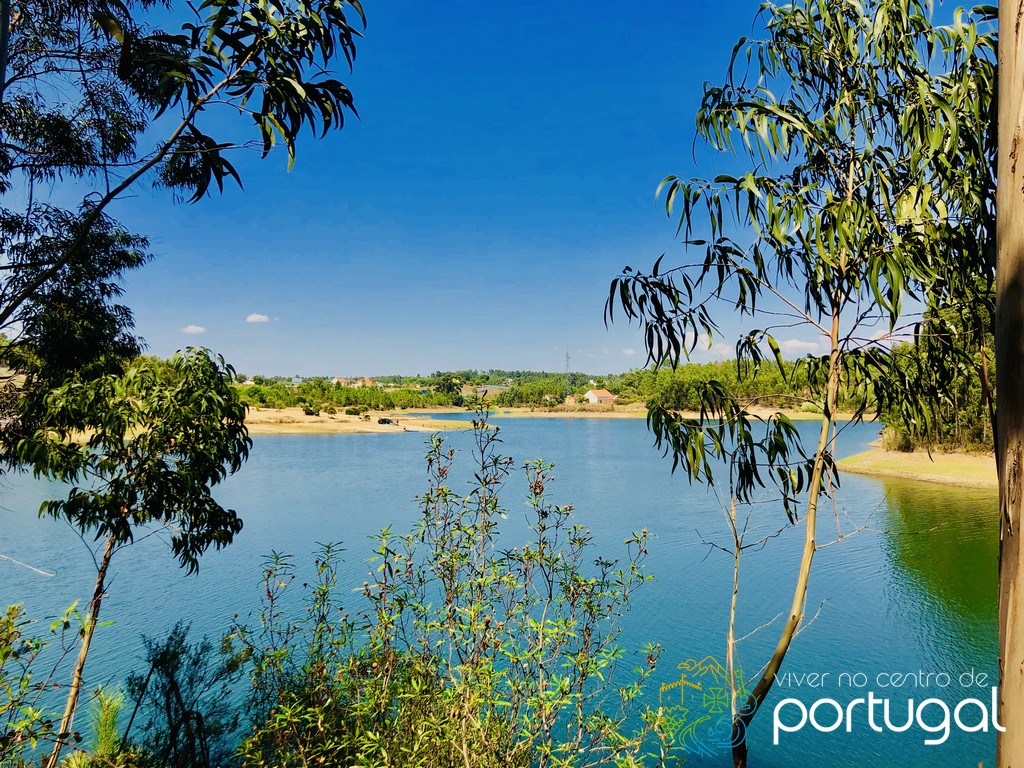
(895,439)
(464,653)
(23,723)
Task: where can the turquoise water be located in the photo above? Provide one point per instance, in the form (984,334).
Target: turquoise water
(912,592)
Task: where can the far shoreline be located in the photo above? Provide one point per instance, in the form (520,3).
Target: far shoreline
(273,421)
(294,421)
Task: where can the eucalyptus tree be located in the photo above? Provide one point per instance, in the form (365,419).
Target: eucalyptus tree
(102,96)
(868,133)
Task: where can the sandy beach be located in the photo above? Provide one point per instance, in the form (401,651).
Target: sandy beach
(967,470)
(292,421)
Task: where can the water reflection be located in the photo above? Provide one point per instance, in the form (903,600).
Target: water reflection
(943,551)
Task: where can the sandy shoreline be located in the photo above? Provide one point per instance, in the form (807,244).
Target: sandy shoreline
(966,470)
(263,421)
(293,421)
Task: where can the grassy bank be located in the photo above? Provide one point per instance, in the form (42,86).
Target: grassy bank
(961,469)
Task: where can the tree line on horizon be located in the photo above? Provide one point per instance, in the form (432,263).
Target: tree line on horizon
(961,419)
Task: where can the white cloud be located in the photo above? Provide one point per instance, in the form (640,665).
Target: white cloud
(193,329)
(798,347)
(256,317)
(721,349)
(629,352)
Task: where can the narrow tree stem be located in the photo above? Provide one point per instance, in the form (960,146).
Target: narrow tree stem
(730,658)
(742,719)
(88,627)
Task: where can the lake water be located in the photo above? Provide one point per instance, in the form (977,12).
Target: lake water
(913,592)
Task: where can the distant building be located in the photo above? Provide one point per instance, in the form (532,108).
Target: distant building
(600,396)
(357,382)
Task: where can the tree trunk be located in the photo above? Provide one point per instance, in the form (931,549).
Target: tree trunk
(76,678)
(742,719)
(1010,380)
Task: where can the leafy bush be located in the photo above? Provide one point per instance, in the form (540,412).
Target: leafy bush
(895,439)
(23,723)
(465,654)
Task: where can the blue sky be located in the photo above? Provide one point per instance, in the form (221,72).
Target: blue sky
(501,173)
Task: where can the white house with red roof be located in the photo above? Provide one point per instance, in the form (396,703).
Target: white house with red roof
(596,396)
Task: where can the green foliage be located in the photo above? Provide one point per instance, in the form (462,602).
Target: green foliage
(23,723)
(543,391)
(961,411)
(84,82)
(467,653)
(678,387)
(146,450)
(445,383)
(71,324)
(29,661)
(869,132)
(266,58)
(105,747)
(108,735)
(319,393)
